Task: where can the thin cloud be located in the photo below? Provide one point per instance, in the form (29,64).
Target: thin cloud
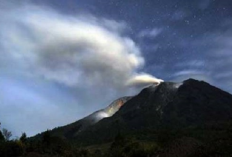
(193,63)
(150,33)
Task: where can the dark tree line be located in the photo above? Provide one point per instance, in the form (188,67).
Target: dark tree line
(204,141)
(11,147)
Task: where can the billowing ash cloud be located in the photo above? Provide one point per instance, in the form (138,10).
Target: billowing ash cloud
(87,59)
(74,51)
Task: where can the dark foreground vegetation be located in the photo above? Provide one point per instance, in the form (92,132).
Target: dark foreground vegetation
(207,141)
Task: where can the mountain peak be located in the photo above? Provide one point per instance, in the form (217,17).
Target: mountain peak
(185,104)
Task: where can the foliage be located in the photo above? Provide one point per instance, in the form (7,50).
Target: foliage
(46,139)
(7,134)
(129,147)
(208,140)
(23,138)
(11,149)
(1,135)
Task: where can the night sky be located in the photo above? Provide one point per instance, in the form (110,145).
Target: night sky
(60,60)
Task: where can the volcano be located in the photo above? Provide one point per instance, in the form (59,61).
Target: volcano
(189,104)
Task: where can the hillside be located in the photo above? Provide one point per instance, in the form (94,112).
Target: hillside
(170,105)
(187,119)
(190,104)
(71,130)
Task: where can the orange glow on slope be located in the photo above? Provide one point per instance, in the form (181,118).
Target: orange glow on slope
(120,103)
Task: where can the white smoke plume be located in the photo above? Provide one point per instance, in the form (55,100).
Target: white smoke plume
(143,79)
(75,51)
(70,65)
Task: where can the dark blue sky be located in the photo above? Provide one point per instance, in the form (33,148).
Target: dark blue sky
(60,60)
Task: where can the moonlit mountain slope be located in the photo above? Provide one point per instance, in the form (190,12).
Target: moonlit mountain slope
(75,128)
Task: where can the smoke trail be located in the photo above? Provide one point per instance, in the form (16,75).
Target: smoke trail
(87,59)
(143,79)
(92,51)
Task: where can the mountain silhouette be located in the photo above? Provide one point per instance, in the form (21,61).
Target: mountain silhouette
(185,105)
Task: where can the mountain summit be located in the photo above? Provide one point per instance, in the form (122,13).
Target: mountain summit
(188,104)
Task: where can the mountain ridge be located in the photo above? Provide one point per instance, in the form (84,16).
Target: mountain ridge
(188,104)
(69,130)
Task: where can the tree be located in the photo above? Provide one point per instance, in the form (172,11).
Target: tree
(7,134)
(23,138)
(46,139)
(11,149)
(119,141)
(1,135)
